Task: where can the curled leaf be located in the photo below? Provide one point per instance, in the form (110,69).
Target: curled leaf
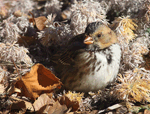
(39,80)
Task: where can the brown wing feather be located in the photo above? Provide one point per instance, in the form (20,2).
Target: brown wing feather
(74,45)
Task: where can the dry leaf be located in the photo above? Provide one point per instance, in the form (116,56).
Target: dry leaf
(46,104)
(74,105)
(55,108)
(44,109)
(1,88)
(38,22)
(19,106)
(42,100)
(39,80)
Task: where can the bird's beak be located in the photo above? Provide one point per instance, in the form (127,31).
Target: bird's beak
(88,40)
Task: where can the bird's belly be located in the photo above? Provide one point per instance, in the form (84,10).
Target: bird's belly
(92,72)
(99,79)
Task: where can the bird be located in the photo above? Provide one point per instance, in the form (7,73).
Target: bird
(91,60)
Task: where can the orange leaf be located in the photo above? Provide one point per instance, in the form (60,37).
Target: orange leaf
(39,80)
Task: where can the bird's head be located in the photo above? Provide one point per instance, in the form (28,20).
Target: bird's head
(99,35)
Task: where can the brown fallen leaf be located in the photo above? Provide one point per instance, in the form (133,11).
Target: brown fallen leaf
(38,22)
(39,80)
(46,104)
(19,106)
(55,108)
(43,100)
(74,105)
(23,104)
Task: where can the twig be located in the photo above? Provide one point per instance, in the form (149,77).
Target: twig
(113,107)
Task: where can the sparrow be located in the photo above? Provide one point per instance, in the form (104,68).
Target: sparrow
(91,60)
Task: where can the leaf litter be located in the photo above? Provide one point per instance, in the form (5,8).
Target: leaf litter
(33,91)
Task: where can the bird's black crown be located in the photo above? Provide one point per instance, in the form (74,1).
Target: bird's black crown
(92,27)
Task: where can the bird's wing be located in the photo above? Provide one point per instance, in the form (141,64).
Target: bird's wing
(74,45)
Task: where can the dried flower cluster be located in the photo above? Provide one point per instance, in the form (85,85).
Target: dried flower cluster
(3,74)
(125,27)
(133,48)
(83,13)
(80,15)
(75,96)
(12,27)
(53,7)
(135,86)
(8,7)
(12,52)
(56,33)
(128,7)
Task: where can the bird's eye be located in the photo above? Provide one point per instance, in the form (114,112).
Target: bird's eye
(99,35)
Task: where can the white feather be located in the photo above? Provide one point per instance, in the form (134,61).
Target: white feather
(106,74)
